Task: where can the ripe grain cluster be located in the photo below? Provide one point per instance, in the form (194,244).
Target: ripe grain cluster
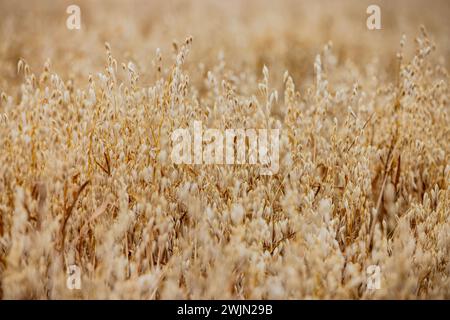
(86,177)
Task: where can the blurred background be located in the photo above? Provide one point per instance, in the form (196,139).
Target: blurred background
(284,35)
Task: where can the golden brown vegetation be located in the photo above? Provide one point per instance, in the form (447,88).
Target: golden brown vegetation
(86,177)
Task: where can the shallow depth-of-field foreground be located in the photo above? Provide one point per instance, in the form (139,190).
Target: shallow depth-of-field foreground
(87,180)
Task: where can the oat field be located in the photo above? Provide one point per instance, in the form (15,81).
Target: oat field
(359,207)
